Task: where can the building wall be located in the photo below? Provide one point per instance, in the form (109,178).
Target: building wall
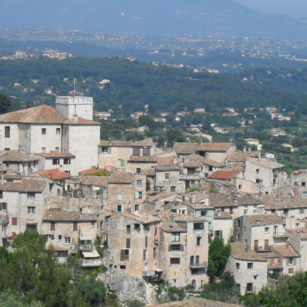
(83,142)
(51,140)
(164,184)
(133,166)
(243,275)
(224,225)
(111,158)
(11,142)
(46,164)
(79,105)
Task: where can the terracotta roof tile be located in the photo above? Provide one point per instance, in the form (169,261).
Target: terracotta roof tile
(67,216)
(265,163)
(285,250)
(224,174)
(241,156)
(55,174)
(264,219)
(27,185)
(56,155)
(16,156)
(214,147)
(149,159)
(185,147)
(241,252)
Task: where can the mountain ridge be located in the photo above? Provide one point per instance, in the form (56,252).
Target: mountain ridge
(148,17)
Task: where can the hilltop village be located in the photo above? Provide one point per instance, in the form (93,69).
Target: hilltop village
(145,213)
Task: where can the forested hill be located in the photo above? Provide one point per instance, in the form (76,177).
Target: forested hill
(135,84)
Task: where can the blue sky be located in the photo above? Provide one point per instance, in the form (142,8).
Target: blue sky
(294,8)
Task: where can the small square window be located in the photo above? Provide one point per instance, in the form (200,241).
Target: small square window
(138,170)
(31,210)
(67,240)
(166,175)
(266,229)
(43,149)
(44,130)
(237,265)
(250,265)
(55,161)
(52,226)
(174,260)
(58,130)
(14,220)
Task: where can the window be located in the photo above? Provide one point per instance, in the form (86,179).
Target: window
(175,236)
(137,208)
(3,206)
(44,130)
(174,260)
(290,271)
(50,237)
(7,131)
(31,195)
(52,227)
(124,255)
(138,170)
(137,227)
(199,241)
(303,183)
(55,161)
(67,161)
(139,183)
(146,242)
(198,226)
(173,189)
(166,175)
(1,194)
(75,226)
(67,240)
(128,243)
(240,186)
(58,130)
(138,195)
(128,229)
(266,229)
(119,197)
(249,287)
(257,171)
(136,152)
(122,267)
(43,149)
(121,162)
(31,210)
(250,265)
(301,210)
(14,220)
(57,149)
(120,208)
(290,261)
(60,237)
(146,151)
(104,149)
(237,265)
(7,149)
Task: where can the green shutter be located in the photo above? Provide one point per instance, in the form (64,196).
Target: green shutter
(109,150)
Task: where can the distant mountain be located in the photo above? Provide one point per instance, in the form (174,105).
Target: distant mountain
(150,17)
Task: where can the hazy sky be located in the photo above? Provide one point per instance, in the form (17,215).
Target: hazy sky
(294,8)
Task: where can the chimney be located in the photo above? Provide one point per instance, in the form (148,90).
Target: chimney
(193,199)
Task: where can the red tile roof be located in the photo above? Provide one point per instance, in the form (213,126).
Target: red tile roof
(41,115)
(55,174)
(56,155)
(224,175)
(90,171)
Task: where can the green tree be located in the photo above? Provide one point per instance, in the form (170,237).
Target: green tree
(218,255)
(5,104)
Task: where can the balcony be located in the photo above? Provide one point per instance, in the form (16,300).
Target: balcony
(175,247)
(280,235)
(91,263)
(198,265)
(153,276)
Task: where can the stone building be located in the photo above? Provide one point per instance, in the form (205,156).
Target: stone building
(248,268)
(44,129)
(260,232)
(215,151)
(266,173)
(24,203)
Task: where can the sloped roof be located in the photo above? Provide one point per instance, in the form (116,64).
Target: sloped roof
(27,185)
(67,216)
(149,159)
(38,115)
(185,147)
(221,200)
(265,163)
(56,155)
(241,156)
(285,250)
(55,174)
(16,156)
(224,174)
(241,252)
(264,219)
(41,115)
(214,147)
